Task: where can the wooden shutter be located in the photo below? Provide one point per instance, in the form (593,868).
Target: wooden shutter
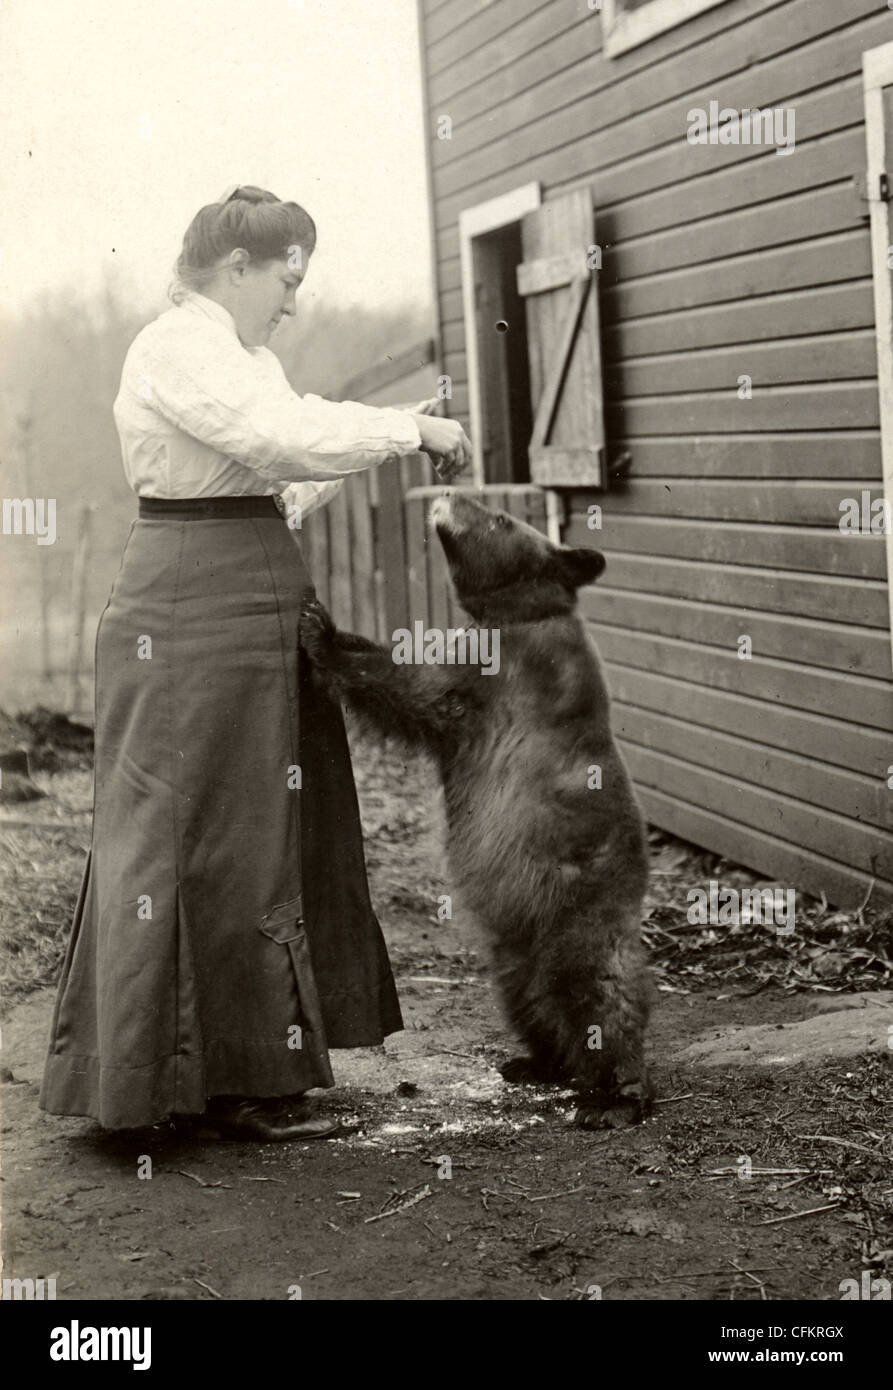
(567,448)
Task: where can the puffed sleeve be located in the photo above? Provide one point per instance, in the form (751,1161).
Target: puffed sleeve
(202,380)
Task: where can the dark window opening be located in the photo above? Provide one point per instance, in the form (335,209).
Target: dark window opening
(503,364)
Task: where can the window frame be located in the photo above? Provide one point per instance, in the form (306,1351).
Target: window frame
(622,31)
(877,77)
(474,222)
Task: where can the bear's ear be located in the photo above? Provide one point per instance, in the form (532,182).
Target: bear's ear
(581,565)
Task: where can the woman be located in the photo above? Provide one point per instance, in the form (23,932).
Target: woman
(224,938)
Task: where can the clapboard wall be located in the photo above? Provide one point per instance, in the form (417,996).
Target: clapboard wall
(719,262)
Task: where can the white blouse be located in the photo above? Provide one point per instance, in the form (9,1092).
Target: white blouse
(200,415)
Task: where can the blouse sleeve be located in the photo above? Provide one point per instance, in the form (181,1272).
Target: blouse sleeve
(209,386)
(308,497)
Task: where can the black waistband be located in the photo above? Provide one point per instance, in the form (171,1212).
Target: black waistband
(209,508)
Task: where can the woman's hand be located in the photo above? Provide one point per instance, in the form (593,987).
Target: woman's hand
(446,444)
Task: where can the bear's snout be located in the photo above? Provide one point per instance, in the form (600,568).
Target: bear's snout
(441,513)
(456,513)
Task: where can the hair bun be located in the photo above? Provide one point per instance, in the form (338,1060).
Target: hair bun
(257,222)
(247,193)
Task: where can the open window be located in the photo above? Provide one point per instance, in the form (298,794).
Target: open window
(496,336)
(506,420)
(628,23)
(533,343)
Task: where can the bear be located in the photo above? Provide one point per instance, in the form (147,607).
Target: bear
(544,833)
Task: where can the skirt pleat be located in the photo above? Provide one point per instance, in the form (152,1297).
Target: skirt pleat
(224,937)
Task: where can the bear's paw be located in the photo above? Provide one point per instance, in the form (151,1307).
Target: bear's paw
(619,1109)
(317,628)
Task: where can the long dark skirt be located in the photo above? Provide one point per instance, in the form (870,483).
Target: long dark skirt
(224,938)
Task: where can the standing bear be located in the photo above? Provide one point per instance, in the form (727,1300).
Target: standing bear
(545,838)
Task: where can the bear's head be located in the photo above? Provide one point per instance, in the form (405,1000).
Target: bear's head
(504,570)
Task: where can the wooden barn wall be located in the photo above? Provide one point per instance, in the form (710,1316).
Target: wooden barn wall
(719,261)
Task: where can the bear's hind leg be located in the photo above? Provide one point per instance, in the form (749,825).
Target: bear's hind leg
(614,1087)
(542,1063)
(617,1097)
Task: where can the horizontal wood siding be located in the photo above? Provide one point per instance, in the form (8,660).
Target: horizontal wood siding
(724,267)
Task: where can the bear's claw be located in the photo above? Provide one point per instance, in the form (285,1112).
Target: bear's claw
(619,1109)
(316,623)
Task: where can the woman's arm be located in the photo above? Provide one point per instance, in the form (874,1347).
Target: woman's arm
(303,498)
(200,378)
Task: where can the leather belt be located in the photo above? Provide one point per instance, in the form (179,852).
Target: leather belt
(209,508)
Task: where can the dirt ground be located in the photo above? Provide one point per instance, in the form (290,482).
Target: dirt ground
(764,1172)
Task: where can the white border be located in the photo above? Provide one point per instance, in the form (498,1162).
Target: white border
(877,73)
(473,222)
(622,31)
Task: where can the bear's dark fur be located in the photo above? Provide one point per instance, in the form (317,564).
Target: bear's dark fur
(553,868)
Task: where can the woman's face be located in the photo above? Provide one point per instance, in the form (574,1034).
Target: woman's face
(263,293)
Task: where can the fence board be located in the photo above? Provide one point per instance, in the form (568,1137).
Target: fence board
(340,560)
(363,557)
(392,549)
(416,559)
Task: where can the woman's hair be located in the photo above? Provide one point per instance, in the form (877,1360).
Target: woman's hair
(250,218)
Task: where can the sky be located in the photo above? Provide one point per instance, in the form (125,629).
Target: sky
(120,118)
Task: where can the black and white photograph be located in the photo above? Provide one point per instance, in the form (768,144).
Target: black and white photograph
(446,672)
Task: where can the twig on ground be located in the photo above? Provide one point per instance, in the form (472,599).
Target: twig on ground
(547,1196)
(759,1283)
(693,1274)
(796,1215)
(402,1206)
(207,1286)
(844,1143)
(770,1172)
(201,1181)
